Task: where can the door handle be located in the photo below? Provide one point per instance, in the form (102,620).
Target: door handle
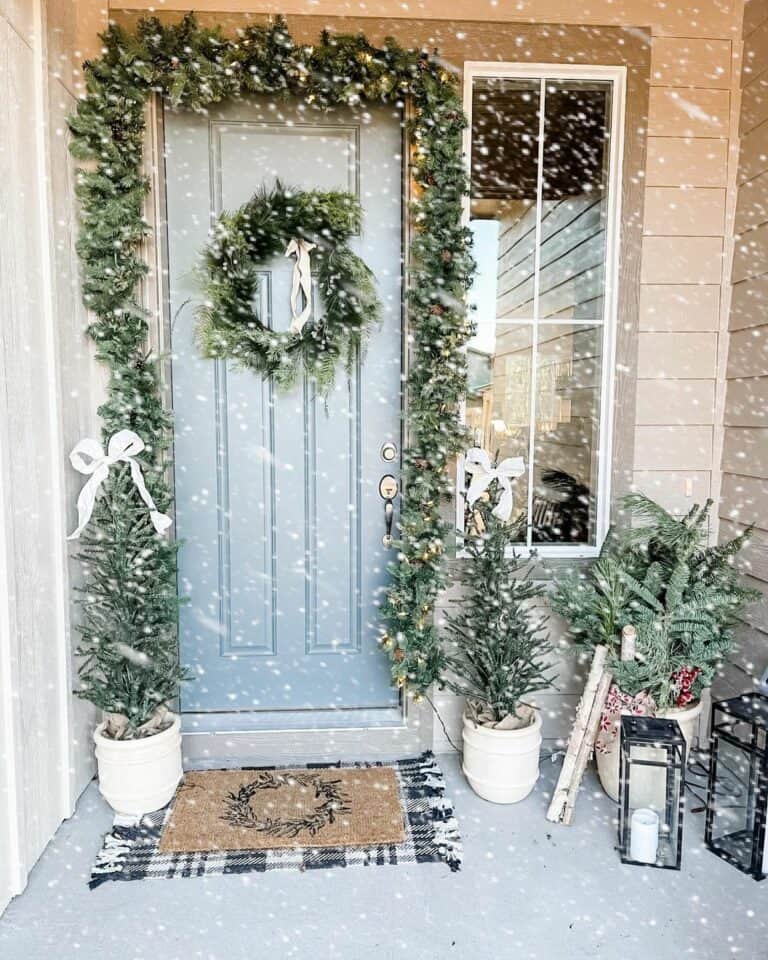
(389,512)
(388,490)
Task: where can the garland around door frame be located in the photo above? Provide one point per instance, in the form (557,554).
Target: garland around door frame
(195,67)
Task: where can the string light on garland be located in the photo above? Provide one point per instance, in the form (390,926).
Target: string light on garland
(194,67)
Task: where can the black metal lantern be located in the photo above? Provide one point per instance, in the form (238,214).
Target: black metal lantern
(651,792)
(738,783)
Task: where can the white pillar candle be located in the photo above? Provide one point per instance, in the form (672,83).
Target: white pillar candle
(644,835)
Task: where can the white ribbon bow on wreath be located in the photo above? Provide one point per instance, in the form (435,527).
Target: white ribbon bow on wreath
(477,464)
(302,281)
(88,457)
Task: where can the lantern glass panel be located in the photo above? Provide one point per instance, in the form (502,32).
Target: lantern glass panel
(655,786)
(738,794)
(651,792)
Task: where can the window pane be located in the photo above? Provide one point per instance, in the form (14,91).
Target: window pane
(539,218)
(574,200)
(498,410)
(505,129)
(565,470)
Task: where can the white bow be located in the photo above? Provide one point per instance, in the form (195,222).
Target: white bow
(302,281)
(477,463)
(89,458)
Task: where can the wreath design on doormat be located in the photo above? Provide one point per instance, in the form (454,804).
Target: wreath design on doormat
(333,801)
(281,221)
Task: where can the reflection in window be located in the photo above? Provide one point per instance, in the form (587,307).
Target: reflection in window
(540,156)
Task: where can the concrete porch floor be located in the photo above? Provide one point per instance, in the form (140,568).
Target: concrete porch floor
(528,890)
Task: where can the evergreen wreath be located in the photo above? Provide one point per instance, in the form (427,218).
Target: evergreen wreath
(194,67)
(243,241)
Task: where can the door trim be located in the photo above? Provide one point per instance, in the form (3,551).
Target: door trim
(208,739)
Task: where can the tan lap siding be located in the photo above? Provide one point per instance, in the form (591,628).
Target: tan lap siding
(744,497)
(682,268)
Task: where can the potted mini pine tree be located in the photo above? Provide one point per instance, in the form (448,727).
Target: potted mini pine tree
(129,664)
(497,659)
(684,599)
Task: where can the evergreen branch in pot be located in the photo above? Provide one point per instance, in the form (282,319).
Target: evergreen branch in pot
(498,659)
(684,598)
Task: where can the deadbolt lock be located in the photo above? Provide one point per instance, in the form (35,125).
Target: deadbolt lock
(388,452)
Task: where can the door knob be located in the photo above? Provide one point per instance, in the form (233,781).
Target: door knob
(388,490)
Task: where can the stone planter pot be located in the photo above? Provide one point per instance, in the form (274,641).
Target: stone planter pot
(502,765)
(139,776)
(646,794)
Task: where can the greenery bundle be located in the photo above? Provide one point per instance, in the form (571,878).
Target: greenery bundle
(501,647)
(244,241)
(683,597)
(194,67)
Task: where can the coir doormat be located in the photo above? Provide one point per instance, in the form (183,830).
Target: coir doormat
(318,816)
(267,809)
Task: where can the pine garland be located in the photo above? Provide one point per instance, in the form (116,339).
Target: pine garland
(195,67)
(243,242)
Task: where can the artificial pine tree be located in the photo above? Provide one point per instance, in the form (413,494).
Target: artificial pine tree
(501,648)
(130,667)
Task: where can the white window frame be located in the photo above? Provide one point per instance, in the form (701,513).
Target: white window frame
(543,72)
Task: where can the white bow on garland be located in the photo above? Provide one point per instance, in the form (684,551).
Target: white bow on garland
(88,457)
(302,281)
(477,464)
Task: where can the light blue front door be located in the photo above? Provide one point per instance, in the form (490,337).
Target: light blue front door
(277,493)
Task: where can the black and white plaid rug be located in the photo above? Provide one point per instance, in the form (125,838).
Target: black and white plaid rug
(130,849)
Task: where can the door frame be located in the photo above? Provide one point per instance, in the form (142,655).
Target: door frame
(214,741)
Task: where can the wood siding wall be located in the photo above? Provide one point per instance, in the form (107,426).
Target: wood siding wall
(684,246)
(744,497)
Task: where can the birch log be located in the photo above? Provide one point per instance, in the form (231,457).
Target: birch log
(581,740)
(628,642)
(587,743)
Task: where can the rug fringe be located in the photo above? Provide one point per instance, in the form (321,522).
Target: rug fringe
(112,856)
(446,829)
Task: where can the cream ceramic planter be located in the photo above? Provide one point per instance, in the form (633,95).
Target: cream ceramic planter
(502,765)
(138,776)
(645,794)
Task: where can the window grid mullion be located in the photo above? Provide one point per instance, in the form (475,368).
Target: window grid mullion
(534,326)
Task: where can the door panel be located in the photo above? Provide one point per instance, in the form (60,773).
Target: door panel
(277,498)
